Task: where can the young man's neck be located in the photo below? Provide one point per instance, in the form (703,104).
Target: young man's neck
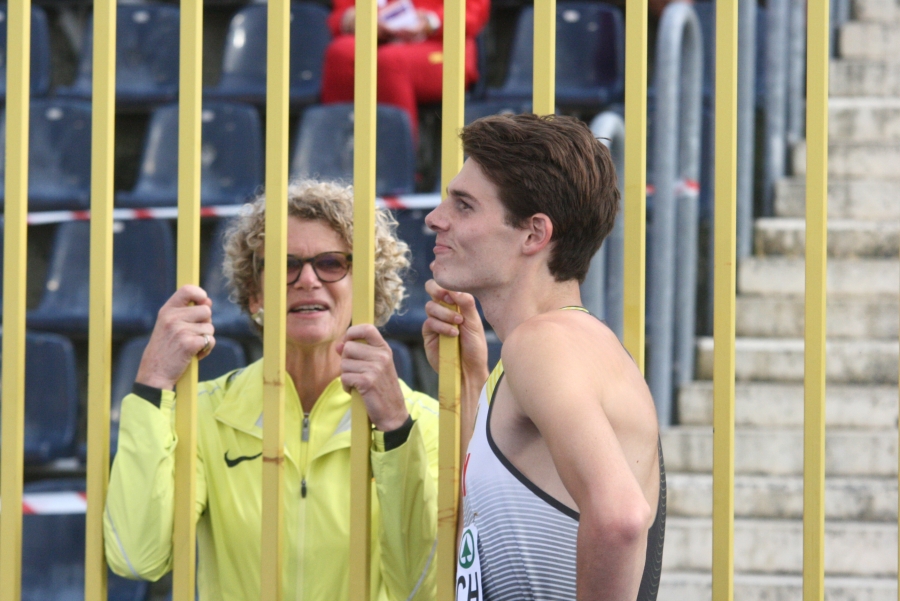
(508,306)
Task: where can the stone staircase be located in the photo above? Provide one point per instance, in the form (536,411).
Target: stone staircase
(862,366)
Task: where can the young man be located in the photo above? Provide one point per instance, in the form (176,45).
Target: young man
(563,483)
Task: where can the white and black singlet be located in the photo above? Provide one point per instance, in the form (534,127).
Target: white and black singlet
(526,539)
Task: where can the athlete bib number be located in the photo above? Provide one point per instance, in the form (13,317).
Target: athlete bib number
(468,567)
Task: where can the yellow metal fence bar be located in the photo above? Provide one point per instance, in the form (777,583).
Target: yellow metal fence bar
(188,272)
(817,57)
(635,185)
(277,61)
(453,107)
(364,110)
(100,324)
(724,300)
(12,451)
(544,76)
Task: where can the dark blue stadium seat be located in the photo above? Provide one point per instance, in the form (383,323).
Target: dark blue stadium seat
(143,278)
(59,155)
(53,553)
(590,57)
(146,56)
(40,51)
(412,230)
(244,63)
(485,108)
(324,148)
(227,355)
(228,318)
(403,362)
(51,398)
(231,159)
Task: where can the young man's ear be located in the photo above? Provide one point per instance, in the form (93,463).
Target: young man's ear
(540,231)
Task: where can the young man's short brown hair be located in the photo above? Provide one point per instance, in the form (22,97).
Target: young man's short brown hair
(552,165)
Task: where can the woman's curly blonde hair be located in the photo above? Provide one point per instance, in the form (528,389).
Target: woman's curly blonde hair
(331,203)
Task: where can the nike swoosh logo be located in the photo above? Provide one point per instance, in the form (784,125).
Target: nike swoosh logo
(237,460)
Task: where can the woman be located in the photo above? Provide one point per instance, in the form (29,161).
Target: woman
(326,357)
(410,52)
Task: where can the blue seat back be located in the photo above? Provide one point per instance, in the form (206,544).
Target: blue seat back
(590,55)
(147,37)
(59,155)
(227,355)
(228,318)
(51,398)
(324,148)
(53,553)
(486,108)
(403,362)
(40,51)
(231,157)
(411,229)
(244,60)
(143,278)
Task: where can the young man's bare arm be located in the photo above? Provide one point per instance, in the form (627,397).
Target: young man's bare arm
(558,375)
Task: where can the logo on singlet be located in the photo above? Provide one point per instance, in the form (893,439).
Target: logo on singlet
(467,553)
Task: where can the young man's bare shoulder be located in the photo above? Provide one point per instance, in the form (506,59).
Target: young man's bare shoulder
(564,338)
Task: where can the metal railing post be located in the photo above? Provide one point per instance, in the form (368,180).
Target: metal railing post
(777,48)
(676,169)
(602,290)
(746,124)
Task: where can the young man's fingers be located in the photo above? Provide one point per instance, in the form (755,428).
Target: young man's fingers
(442,313)
(439,326)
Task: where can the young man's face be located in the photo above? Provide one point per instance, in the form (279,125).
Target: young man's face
(475,249)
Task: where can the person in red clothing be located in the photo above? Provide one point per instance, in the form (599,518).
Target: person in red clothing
(410,52)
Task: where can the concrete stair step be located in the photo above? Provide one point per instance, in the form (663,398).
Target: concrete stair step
(865,119)
(847,199)
(779,451)
(697,586)
(781,360)
(869,40)
(846,237)
(776,547)
(880,11)
(855,77)
(770,497)
(864,159)
(768,404)
(786,276)
(848,316)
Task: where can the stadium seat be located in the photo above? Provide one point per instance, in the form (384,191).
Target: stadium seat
(143,278)
(231,157)
(590,57)
(227,355)
(412,229)
(324,148)
(51,398)
(146,56)
(244,63)
(53,552)
(228,318)
(40,51)
(59,155)
(403,362)
(486,108)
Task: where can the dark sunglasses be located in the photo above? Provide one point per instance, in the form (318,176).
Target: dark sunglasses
(329,267)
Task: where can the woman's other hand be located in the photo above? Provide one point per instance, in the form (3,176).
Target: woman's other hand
(183,330)
(466,324)
(367,364)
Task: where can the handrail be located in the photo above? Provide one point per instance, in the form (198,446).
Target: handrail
(602,290)
(673,231)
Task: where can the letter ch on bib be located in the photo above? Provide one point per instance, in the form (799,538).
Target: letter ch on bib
(468,568)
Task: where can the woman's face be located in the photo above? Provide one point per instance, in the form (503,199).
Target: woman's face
(318,313)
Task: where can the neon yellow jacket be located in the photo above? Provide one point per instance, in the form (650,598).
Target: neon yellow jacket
(139,509)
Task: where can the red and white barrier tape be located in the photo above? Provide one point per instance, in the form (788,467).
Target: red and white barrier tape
(53,503)
(408,201)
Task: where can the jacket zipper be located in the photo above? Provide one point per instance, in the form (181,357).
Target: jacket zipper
(301,522)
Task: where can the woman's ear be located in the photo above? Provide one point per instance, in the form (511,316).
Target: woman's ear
(540,231)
